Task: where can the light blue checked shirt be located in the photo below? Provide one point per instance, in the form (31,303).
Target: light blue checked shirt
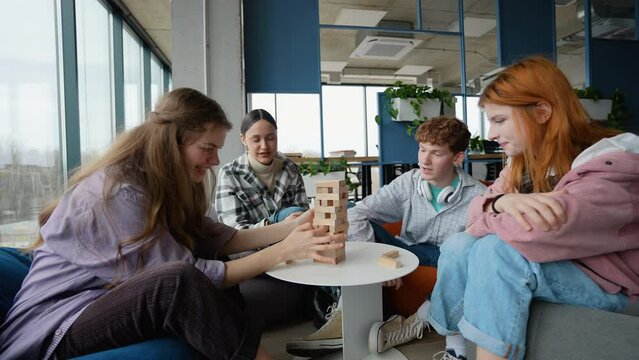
(421,222)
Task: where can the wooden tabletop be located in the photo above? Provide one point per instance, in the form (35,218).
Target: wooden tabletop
(497,156)
(353,159)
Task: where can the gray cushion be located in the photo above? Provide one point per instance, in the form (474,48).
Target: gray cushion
(574,332)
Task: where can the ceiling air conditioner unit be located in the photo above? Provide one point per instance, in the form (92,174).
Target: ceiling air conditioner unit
(384,48)
(385,44)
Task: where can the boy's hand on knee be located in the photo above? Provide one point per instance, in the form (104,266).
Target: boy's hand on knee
(397,283)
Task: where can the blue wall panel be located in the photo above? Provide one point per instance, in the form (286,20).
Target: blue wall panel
(395,146)
(525,28)
(281,44)
(613,64)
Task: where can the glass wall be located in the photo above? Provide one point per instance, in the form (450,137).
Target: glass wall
(133,80)
(30,152)
(157,80)
(348,119)
(297,116)
(93,31)
(33,122)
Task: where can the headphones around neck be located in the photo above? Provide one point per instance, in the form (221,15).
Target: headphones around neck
(448,194)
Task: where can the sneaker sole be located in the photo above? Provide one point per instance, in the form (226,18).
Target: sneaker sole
(373,337)
(374,333)
(313,348)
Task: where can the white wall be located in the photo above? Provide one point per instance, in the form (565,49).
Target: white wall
(207,56)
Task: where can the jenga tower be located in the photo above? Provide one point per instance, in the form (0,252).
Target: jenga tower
(331,201)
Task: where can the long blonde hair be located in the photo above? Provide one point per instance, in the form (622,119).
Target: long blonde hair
(550,145)
(149,156)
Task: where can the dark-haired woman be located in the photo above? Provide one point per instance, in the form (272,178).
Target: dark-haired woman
(259,188)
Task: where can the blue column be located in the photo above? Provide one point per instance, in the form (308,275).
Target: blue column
(70,74)
(118,73)
(525,28)
(281,45)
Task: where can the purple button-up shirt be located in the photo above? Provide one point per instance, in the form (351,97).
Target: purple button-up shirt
(79,259)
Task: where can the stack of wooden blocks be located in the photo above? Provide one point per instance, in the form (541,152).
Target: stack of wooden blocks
(331,203)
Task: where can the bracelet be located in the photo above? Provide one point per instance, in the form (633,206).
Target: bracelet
(492,205)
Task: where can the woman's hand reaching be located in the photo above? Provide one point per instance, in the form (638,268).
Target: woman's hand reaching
(306,242)
(305,217)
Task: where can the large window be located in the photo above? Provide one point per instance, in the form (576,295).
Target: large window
(157,81)
(297,116)
(133,80)
(94,78)
(348,119)
(30,156)
(344,118)
(35,113)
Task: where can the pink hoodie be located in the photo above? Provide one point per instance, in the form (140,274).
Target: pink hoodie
(601,234)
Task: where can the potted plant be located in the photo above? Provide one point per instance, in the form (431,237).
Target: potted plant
(619,112)
(476,145)
(314,171)
(415,103)
(596,107)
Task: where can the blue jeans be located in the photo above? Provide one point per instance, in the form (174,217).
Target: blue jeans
(428,254)
(485,287)
(281,214)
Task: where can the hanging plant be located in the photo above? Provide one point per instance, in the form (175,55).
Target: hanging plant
(618,111)
(416,96)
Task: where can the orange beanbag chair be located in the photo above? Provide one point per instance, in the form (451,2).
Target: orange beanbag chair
(417,285)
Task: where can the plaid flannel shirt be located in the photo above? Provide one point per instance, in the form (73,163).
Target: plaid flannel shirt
(243,201)
(421,223)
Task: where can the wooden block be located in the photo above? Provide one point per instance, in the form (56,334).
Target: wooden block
(393,254)
(330,183)
(335,213)
(326,190)
(338,229)
(389,262)
(327,222)
(337,255)
(335,229)
(331,202)
(326,196)
(329,209)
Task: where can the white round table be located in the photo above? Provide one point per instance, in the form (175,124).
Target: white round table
(360,277)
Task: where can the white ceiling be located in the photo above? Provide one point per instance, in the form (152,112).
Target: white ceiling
(439,53)
(155,17)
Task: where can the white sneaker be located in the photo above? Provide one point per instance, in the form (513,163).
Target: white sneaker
(447,355)
(395,331)
(326,339)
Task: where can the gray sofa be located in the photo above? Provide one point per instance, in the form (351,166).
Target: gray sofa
(570,332)
(574,332)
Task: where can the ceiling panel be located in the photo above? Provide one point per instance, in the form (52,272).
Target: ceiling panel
(439,52)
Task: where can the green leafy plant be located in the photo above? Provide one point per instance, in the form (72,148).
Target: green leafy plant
(476,144)
(312,168)
(618,113)
(416,94)
(589,92)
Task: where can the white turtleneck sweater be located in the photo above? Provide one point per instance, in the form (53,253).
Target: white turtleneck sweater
(266,173)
